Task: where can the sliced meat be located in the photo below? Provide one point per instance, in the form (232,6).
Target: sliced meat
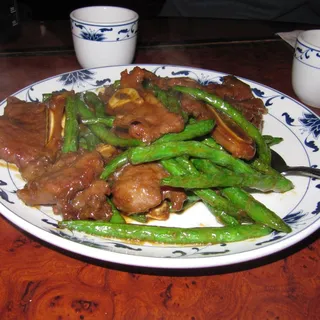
(136,77)
(35,168)
(231,87)
(253,110)
(60,186)
(147,121)
(195,108)
(226,132)
(239,95)
(90,203)
(23,131)
(166,83)
(137,189)
(30,134)
(176,196)
(176,199)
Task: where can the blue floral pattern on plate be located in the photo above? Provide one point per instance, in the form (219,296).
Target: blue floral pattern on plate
(300,208)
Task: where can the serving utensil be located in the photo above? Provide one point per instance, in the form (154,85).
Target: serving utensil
(279,164)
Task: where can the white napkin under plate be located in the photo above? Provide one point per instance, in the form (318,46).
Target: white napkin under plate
(290,37)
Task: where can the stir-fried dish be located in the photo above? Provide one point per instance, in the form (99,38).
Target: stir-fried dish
(143,148)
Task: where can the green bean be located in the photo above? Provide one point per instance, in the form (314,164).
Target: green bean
(216,102)
(107,121)
(116,84)
(139,217)
(245,202)
(191,200)
(116,215)
(257,212)
(71,129)
(93,100)
(167,235)
(192,120)
(101,132)
(46,96)
(115,164)
(256,164)
(91,140)
(174,106)
(199,150)
(257,181)
(208,196)
(222,204)
(191,148)
(271,141)
(206,166)
(168,99)
(187,165)
(210,142)
(187,133)
(222,216)
(263,168)
(255,209)
(172,166)
(83,143)
(191,131)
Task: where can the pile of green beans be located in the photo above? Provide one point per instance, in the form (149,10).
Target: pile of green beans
(194,161)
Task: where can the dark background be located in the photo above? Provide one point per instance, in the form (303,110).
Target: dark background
(53,10)
(297,11)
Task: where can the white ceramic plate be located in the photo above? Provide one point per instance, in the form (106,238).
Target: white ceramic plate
(300,207)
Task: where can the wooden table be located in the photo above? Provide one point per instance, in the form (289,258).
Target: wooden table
(40,281)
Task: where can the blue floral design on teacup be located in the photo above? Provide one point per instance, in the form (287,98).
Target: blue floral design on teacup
(93,32)
(307,55)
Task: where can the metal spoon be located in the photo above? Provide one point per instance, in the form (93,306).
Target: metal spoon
(279,164)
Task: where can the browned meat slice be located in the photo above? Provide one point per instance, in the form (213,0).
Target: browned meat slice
(64,186)
(106,93)
(147,121)
(134,78)
(176,196)
(90,203)
(253,110)
(35,168)
(195,108)
(226,132)
(137,75)
(240,95)
(231,87)
(30,134)
(22,131)
(136,188)
(166,83)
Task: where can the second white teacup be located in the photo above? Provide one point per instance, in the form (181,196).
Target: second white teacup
(306,68)
(104,35)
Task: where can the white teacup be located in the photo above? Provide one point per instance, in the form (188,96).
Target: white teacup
(104,35)
(306,68)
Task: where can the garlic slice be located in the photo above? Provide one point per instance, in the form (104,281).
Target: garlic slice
(123,96)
